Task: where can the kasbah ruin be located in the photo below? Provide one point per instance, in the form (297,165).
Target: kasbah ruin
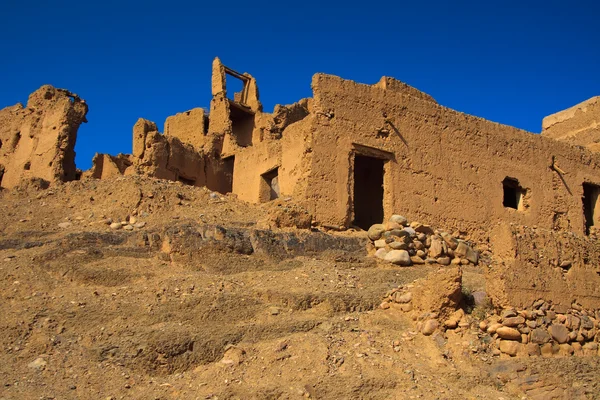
(366,242)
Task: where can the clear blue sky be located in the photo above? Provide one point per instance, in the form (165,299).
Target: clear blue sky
(512,62)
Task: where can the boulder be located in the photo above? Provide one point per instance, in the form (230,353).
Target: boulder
(398,257)
(513,321)
(443,260)
(436,250)
(540,336)
(429,327)
(509,347)
(381,253)
(505,332)
(398,245)
(399,219)
(403,298)
(379,244)
(559,332)
(426,229)
(451,242)
(375,231)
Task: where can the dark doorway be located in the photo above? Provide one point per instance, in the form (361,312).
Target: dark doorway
(368,191)
(590,200)
(513,194)
(270,185)
(242,124)
(228,164)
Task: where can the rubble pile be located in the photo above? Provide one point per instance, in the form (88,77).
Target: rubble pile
(544,329)
(403,243)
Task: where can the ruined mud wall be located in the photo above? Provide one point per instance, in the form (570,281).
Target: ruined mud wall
(39,140)
(281,143)
(578,125)
(441,166)
(165,157)
(533,263)
(105,166)
(190,127)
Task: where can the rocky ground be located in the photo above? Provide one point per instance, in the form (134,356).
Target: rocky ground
(145,289)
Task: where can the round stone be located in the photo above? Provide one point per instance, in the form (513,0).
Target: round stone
(399,219)
(399,257)
(375,231)
(381,253)
(505,332)
(429,327)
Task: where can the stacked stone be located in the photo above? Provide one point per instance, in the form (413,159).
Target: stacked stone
(404,243)
(544,329)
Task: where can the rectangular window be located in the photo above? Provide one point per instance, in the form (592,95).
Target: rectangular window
(590,204)
(269,189)
(228,164)
(514,194)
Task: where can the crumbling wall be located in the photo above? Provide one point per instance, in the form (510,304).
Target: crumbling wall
(190,127)
(165,157)
(533,263)
(296,158)
(578,125)
(282,147)
(440,165)
(105,166)
(38,141)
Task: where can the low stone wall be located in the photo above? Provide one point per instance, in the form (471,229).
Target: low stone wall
(544,329)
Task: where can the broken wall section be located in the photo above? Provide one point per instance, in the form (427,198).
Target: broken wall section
(38,141)
(190,127)
(105,166)
(532,263)
(578,125)
(165,157)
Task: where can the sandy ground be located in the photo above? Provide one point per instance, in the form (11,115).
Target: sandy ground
(89,312)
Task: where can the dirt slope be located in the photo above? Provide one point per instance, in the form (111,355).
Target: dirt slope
(193,303)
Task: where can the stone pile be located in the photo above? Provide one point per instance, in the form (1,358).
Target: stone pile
(404,243)
(130,223)
(544,329)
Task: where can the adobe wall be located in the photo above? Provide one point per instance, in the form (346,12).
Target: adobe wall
(105,166)
(533,263)
(578,125)
(39,140)
(446,166)
(189,127)
(290,155)
(165,157)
